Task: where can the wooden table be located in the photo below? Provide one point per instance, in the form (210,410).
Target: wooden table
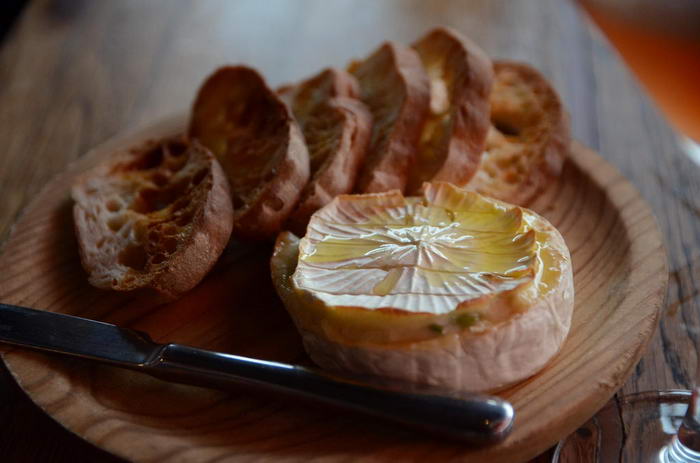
(75,72)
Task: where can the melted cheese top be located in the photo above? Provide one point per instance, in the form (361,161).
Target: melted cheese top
(435,254)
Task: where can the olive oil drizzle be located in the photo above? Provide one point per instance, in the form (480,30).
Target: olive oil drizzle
(448,238)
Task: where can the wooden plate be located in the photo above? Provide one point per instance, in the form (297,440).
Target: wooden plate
(620,279)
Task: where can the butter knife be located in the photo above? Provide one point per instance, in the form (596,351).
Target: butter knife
(471,418)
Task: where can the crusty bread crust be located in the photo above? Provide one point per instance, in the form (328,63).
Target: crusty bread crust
(454,135)
(529,137)
(336,126)
(395,87)
(260,146)
(157,216)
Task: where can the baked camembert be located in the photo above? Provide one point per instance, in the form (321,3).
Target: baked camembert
(451,289)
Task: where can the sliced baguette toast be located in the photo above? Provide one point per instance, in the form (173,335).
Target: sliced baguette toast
(453,137)
(156,217)
(395,87)
(259,145)
(528,139)
(336,127)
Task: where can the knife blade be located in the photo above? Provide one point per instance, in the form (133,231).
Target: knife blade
(471,418)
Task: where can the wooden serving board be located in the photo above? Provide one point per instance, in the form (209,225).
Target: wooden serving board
(620,278)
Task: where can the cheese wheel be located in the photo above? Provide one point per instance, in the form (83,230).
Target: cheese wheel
(452,289)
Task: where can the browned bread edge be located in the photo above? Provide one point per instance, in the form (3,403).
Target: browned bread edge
(390,157)
(327,98)
(262,119)
(211,225)
(470,75)
(550,146)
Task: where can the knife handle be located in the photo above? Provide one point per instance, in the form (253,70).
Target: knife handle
(472,418)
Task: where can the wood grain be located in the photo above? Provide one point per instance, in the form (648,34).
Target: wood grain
(620,281)
(75,72)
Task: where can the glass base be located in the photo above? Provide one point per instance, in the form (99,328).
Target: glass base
(637,428)
(691,148)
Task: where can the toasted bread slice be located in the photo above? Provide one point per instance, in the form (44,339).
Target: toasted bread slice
(529,137)
(259,145)
(395,87)
(453,289)
(156,217)
(336,127)
(454,135)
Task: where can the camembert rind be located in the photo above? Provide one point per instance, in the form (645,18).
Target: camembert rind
(484,342)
